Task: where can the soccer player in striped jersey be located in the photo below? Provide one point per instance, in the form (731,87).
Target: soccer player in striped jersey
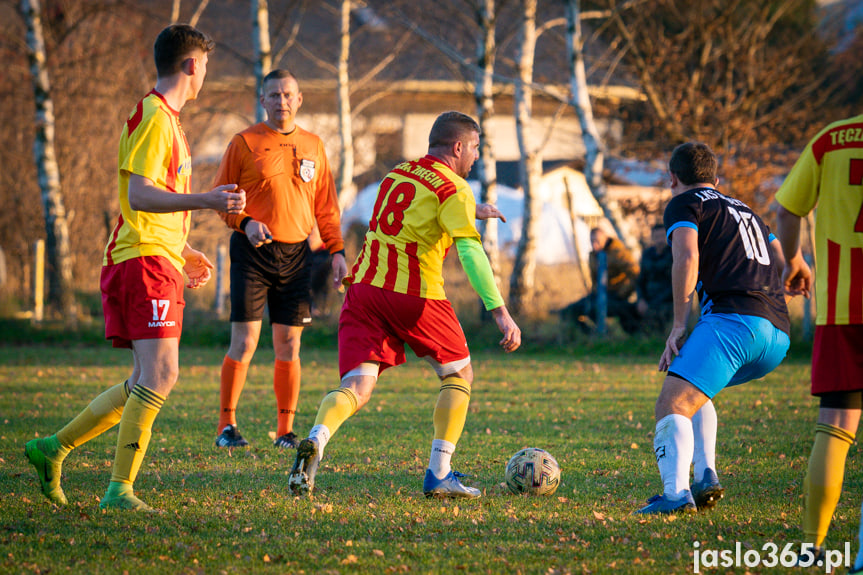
(142,272)
(829,175)
(396,297)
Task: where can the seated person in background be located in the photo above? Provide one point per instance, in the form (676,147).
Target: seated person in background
(655,297)
(622,277)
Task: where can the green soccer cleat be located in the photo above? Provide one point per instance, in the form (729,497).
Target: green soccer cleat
(47,456)
(121,496)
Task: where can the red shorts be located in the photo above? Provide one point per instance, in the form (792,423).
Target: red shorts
(837,358)
(375,324)
(142,298)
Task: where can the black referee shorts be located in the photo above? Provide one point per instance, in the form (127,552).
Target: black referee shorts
(277,274)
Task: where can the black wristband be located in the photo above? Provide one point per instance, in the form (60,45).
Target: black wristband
(243,223)
(341,251)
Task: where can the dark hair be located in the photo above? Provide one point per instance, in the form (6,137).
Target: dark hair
(451,127)
(693,163)
(174,44)
(278,74)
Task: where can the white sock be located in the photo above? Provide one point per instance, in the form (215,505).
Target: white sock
(673,445)
(441,455)
(321,434)
(704,427)
(858,563)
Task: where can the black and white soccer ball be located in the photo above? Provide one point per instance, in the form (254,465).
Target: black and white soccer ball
(532,471)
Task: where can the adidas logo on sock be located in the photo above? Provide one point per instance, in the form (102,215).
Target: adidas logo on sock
(134,445)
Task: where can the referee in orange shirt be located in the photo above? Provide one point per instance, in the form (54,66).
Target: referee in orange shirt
(290,188)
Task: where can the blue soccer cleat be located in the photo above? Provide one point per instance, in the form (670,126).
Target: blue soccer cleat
(662,504)
(449,486)
(707,492)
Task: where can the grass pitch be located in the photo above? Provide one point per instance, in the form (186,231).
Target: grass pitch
(231,512)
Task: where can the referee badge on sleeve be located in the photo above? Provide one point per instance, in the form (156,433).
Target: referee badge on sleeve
(307,170)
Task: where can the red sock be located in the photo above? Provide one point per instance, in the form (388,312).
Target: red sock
(233,379)
(286,384)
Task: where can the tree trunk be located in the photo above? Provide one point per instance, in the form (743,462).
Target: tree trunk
(347,190)
(263,53)
(521,290)
(60,293)
(483,95)
(593,146)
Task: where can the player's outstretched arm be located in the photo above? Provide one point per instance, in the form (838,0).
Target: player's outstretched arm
(197,267)
(145,196)
(507,326)
(488,211)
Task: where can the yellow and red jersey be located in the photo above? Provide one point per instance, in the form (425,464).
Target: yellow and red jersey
(154,146)
(421,207)
(288,184)
(829,173)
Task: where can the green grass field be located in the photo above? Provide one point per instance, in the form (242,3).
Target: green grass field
(231,512)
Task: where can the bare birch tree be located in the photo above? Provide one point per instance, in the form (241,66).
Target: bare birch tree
(486,47)
(521,290)
(60,293)
(263,55)
(347,189)
(594,148)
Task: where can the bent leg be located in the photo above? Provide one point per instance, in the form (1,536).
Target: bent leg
(674,440)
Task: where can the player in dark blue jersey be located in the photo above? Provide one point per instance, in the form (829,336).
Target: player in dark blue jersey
(724,253)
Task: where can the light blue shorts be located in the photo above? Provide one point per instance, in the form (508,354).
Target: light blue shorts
(728,349)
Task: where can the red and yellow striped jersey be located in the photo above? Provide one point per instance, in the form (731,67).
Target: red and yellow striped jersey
(421,206)
(154,146)
(829,173)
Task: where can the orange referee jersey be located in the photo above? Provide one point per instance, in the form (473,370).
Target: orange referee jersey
(829,173)
(420,208)
(288,184)
(154,146)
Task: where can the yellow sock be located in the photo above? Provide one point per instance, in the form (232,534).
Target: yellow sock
(450,412)
(823,482)
(336,408)
(136,427)
(102,414)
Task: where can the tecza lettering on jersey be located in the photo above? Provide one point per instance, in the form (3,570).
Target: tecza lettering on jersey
(847,136)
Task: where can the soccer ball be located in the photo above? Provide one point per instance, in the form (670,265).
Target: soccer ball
(532,471)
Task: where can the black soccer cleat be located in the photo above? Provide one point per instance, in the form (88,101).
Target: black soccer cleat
(287,441)
(230,437)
